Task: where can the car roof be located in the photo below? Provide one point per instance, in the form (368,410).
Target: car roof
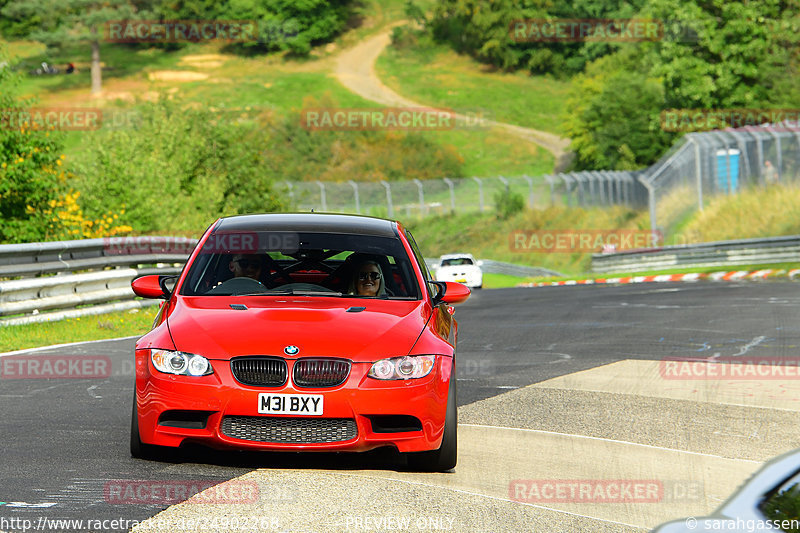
(310,222)
(456,256)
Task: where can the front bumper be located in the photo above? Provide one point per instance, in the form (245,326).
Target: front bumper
(208,400)
(470,279)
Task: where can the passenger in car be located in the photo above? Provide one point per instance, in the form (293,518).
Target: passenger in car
(367,279)
(246,266)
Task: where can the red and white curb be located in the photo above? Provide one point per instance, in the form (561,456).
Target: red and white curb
(735,275)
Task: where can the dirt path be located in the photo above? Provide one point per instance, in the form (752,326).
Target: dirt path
(355,69)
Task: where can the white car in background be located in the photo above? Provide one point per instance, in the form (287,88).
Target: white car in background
(461,268)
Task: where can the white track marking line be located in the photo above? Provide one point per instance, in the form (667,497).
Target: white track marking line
(615,441)
(498,498)
(41,348)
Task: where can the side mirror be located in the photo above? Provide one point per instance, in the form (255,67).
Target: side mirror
(480,262)
(450,292)
(154,286)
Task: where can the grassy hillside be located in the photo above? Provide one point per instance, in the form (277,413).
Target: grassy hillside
(434,74)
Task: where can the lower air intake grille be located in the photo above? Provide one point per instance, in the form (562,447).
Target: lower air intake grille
(259,371)
(289,430)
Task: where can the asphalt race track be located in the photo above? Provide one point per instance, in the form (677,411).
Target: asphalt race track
(557,386)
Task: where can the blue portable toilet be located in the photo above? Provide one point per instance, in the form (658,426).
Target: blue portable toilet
(728,170)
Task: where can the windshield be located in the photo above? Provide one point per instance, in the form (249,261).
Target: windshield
(308,264)
(456,261)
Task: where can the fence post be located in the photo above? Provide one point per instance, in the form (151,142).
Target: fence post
(590,177)
(421,197)
(354,185)
(698,171)
(626,188)
(567,187)
(449,183)
(389,205)
(480,193)
(779,159)
(290,186)
(504,181)
(605,199)
(651,201)
(551,180)
(581,193)
(323,199)
(530,190)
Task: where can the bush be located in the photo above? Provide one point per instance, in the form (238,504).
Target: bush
(508,203)
(176,170)
(299,154)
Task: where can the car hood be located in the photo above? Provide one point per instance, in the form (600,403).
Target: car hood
(317,326)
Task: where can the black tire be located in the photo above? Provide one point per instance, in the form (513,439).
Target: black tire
(445,458)
(138,448)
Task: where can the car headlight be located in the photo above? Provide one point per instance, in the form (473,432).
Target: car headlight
(407,367)
(180,363)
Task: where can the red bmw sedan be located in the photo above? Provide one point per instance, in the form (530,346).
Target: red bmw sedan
(301,332)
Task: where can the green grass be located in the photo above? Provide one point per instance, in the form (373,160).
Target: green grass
(106,326)
(502,281)
(433,74)
(492,152)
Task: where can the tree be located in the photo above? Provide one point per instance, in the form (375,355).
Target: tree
(76,21)
(742,48)
(714,55)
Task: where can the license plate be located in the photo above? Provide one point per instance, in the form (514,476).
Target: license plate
(461,280)
(290,404)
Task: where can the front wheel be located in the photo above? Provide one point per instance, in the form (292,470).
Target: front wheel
(138,448)
(445,458)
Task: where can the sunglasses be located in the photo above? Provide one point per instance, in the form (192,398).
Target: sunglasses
(374,276)
(248,263)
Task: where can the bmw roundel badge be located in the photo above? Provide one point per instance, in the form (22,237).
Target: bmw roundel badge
(291,350)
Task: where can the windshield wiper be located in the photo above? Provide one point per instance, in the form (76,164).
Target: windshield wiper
(289,292)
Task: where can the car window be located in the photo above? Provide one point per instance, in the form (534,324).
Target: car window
(421,260)
(457,261)
(312,264)
(783,503)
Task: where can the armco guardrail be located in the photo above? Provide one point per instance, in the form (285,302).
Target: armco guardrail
(105,269)
(711,254)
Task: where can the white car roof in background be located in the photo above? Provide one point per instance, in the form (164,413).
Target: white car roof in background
(456,256)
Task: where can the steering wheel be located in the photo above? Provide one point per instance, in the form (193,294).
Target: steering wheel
(304,287)
(236,286)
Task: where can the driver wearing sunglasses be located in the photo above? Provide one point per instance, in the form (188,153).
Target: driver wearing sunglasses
(368,279)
